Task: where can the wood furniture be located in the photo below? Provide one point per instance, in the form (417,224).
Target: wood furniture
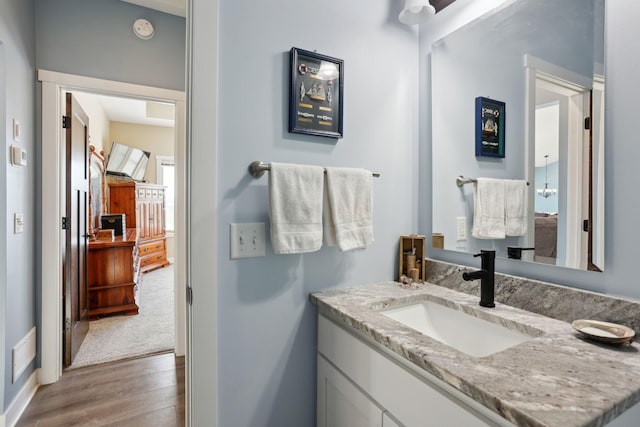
(111,284)
(411,246)
(143,205)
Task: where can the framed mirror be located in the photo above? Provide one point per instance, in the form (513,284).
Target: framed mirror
(548,70)
(97,188)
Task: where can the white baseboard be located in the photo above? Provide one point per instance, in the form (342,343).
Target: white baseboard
(21,401)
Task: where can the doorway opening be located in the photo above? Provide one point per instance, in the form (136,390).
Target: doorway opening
(130,303)
(54,85)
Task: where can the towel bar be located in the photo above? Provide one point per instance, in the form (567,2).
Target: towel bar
(257,169)
(461,180)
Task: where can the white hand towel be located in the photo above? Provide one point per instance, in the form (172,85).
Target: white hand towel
(350,196)
(295,207)
(488,209)
(515,196)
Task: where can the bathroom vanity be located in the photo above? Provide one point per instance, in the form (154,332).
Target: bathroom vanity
(375,370)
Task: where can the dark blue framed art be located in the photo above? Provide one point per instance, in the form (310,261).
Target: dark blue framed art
(315,94)
(490,126)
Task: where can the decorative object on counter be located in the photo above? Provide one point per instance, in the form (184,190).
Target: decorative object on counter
(490,122)
(411,257)
(116,222)
(437,240)
(610,333)
(316,94)
(108,234)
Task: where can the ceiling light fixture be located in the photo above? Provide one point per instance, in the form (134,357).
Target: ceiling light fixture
(416,12)
(143,29)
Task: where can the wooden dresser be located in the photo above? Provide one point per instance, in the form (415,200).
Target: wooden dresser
(143,205)
(111,276)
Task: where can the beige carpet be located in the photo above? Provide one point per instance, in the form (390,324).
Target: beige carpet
(121,337)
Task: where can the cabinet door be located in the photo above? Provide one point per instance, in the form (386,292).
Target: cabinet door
(142,218)
(341,403)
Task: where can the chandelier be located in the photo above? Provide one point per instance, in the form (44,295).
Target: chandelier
(546,191)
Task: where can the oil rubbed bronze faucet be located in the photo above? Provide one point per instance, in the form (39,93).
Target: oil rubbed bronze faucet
(486,276)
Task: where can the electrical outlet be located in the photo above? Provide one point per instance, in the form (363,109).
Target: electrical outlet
(247,240)
(461,228)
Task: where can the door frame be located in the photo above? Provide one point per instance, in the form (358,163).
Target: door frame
(572,86)
(52,235)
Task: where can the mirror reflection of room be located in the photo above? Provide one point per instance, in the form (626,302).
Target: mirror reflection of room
(548,70)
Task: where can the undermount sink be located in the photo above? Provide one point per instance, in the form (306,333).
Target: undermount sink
(468,334)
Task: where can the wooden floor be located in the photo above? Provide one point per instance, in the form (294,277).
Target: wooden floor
(138,392)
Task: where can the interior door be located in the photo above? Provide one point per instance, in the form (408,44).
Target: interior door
(76,302)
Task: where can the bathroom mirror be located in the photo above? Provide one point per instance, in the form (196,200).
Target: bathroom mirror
(544,60)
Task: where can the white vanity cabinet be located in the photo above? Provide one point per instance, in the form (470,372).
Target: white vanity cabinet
(362,384)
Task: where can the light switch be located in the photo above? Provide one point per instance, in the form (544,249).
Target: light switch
(247,240)
(16,130)
(18,223)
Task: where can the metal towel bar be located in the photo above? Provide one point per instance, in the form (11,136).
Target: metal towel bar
(461,180)
(257,169)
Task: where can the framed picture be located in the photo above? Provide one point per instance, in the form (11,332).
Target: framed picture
(490,122)
(315,101)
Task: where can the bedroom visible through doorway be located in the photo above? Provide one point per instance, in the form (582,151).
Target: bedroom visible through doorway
(122,128)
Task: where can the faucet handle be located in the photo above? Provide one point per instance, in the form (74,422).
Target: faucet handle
(486,253)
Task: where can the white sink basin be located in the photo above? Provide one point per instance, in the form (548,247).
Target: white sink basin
(468,334)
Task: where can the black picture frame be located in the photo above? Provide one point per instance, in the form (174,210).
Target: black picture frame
(490,127)
(316,94)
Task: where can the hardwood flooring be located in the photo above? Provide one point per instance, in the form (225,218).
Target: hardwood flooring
(140,392)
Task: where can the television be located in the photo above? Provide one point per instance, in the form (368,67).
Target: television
(127,162)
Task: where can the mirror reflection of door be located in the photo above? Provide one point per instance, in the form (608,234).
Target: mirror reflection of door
(564,178)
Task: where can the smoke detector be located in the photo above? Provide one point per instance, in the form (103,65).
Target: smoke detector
(143,29)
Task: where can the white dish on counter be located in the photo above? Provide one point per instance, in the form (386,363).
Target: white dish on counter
(604,331)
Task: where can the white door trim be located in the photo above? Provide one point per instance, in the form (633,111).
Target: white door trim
(570,86)
(53,83)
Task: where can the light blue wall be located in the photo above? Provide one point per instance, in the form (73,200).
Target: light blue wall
(95,38)
(621,153)
(18,187)
(267,327)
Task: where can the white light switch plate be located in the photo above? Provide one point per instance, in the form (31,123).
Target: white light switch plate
(461,228)
(247,240)
(18,223)
(16,130)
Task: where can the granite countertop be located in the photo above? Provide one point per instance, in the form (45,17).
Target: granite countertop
(554,379)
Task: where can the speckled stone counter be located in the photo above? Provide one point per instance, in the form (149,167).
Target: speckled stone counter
(554,379)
